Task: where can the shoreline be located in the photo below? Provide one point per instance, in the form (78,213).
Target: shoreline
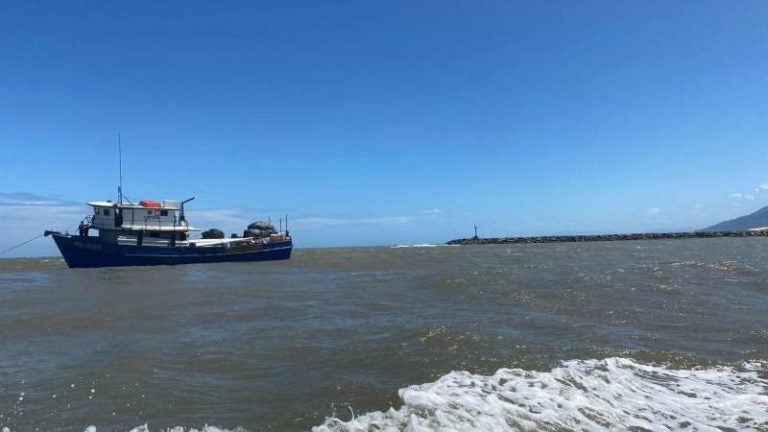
(605,237)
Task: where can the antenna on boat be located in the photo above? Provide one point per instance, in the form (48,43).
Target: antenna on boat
(181,216)
(120,184)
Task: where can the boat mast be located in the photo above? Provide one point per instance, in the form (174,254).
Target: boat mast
(120,172)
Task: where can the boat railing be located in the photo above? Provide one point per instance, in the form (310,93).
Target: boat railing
(155,223)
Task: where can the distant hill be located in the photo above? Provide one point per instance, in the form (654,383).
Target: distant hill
(757,219)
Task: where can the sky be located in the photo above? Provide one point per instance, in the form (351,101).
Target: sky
(379,123)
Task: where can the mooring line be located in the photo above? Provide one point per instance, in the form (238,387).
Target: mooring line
(22,243)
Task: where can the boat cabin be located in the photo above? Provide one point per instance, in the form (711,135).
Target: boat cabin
(160,220)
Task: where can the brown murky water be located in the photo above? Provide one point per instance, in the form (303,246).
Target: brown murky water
(284,345)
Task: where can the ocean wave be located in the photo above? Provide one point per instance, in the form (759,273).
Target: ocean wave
(725,266)
(421,245)
(594,395)
(588,395)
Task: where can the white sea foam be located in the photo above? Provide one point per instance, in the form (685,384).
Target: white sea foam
(591,395)
(144,428)
(205,428)
(581,395)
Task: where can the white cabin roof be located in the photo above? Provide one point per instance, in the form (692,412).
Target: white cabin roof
(101,204)
(158,227)
(164,205)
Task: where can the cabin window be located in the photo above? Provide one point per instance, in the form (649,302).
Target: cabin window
(149,212)
(96,211)
(106,212)
(163,212)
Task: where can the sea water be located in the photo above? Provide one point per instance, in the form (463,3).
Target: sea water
(646,335)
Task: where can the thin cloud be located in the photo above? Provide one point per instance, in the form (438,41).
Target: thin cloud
(699,210)
(233,219)
(223,216)
(29,199)
(434,212)
(653,211)
(229,219)
(325,222)
(740,196)
(27,215)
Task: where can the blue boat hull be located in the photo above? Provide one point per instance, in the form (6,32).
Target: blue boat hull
(81,252)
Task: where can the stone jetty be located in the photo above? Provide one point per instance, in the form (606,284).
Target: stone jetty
(607,237)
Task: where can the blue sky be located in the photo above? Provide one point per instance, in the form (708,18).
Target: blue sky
(387,122)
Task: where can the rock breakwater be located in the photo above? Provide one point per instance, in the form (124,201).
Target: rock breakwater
(607,237)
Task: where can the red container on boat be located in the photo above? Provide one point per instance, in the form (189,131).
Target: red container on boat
(149,203)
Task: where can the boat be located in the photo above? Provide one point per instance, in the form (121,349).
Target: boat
(158,233)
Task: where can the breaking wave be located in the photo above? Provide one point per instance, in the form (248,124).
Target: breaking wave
(594,395)
(585,395)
